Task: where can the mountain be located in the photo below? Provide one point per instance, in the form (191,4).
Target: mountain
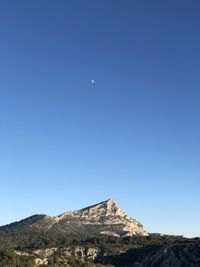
(103,218)
(99,235)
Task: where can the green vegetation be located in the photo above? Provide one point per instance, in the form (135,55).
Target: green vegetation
(27,240)
(107,245)
(8,258)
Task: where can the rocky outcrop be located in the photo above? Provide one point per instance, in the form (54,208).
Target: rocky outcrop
(39,262)
(43,257)
(106,213)
(45,253)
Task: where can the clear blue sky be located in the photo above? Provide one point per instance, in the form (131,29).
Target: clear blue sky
(133,135)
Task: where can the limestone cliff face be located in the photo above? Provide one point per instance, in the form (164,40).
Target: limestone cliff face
(107,213)
(103,218)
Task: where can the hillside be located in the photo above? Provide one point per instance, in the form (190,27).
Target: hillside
(102,218)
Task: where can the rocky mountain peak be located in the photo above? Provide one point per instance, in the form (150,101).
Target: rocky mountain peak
(100,210)
(105,217)
(110,205)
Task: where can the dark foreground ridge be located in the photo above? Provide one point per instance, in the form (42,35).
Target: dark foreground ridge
(32,250)
(184,255)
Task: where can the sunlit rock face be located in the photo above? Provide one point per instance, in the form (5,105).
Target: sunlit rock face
(107,213)
(105,218)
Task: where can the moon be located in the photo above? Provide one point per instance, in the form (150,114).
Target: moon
(92,81)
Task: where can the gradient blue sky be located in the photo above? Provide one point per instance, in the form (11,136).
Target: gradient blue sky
(133,136)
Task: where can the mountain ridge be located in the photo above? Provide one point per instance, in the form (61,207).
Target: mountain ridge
(105,217)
